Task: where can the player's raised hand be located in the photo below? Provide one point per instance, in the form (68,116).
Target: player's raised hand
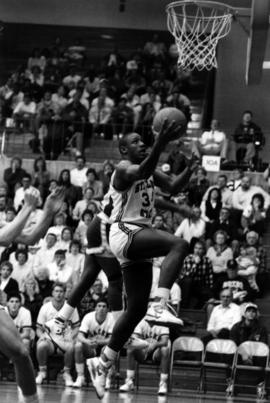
(169,131)
(31,198)
(55,200)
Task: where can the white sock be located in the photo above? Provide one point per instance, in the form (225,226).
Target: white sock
(164,377)
(130,374)
(31,399)
(43,368)
(163,293)
(65,312)
(116,314)
(80,369)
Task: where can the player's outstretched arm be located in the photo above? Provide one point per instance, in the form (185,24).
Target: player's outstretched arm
(10,231)
(127,173)
(174,185)
(51,207)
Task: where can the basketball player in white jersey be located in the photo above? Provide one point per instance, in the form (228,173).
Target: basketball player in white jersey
(94,333)
(99,257)
(134,242)
(10,342)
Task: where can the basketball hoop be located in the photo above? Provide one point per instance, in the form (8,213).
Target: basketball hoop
(197,26)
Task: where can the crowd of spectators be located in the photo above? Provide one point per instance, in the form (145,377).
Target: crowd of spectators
(226,269)
(64,101)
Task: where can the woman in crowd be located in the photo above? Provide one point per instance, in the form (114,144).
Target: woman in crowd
(31,297)
(253,217)
(212,206)
(72,193)
(93,182)
(219,253)
(41,177)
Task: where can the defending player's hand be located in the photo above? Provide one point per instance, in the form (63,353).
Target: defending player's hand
(55,200)
(168,132)
(31,198)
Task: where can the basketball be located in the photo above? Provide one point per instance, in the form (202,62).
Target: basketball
(171,114)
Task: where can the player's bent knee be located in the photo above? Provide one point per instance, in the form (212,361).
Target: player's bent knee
(19,352)
(181,245)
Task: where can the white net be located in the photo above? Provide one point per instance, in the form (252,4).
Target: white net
(197,28)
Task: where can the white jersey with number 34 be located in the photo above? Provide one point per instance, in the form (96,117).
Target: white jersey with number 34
(134,205)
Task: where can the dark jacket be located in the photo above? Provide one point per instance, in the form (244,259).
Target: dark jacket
(240,332)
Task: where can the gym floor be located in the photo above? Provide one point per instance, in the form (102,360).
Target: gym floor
(52,394)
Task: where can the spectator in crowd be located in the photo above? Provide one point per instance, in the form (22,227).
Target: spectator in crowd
(71,80)
(262,276)
(155,49)
(80,232)
(44,284)
(21,267)
(19,194)
(197,187)
(82,205)
(24,113)
(93,182)
(100,114)
(94,333)
(196,278)
(212,142)
(122,117)
(242,196)
(45,254)
(36,59)
(239,286)
(219,254)
(75,259)
(226,193)
(106,174)
(59,271)
(73,193)
(133,102)
(254,216)
(66,239)
(59,98)
(248,265)
(13,175)
(59,225)
(3,206)
(76,129)
(211,206)
(249,329)
(226,224)
(41,177)
(179,101)
(159,222)
(192,227)
(32,299)
(246,138)
(21,318)
(8,285)
(45,346)
(158,351)
(235,182)
(78,174)
(222,318)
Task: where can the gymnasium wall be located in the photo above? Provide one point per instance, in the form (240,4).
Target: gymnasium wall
(138,14)
(232,96)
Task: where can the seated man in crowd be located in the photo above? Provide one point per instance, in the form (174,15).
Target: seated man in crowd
(223,317)
(94,334)
(241,198)
(249,329)
(192,227)
(247,138)
(158,350)
(239,286)
(196,278)
(212,142)
(21,317)
(59,270)
(45,346)
(226,193)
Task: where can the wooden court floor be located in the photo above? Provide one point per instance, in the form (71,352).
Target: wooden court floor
(53,394)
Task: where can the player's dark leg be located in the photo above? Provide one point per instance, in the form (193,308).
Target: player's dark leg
(137,281)
(149,243)
(12,346)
